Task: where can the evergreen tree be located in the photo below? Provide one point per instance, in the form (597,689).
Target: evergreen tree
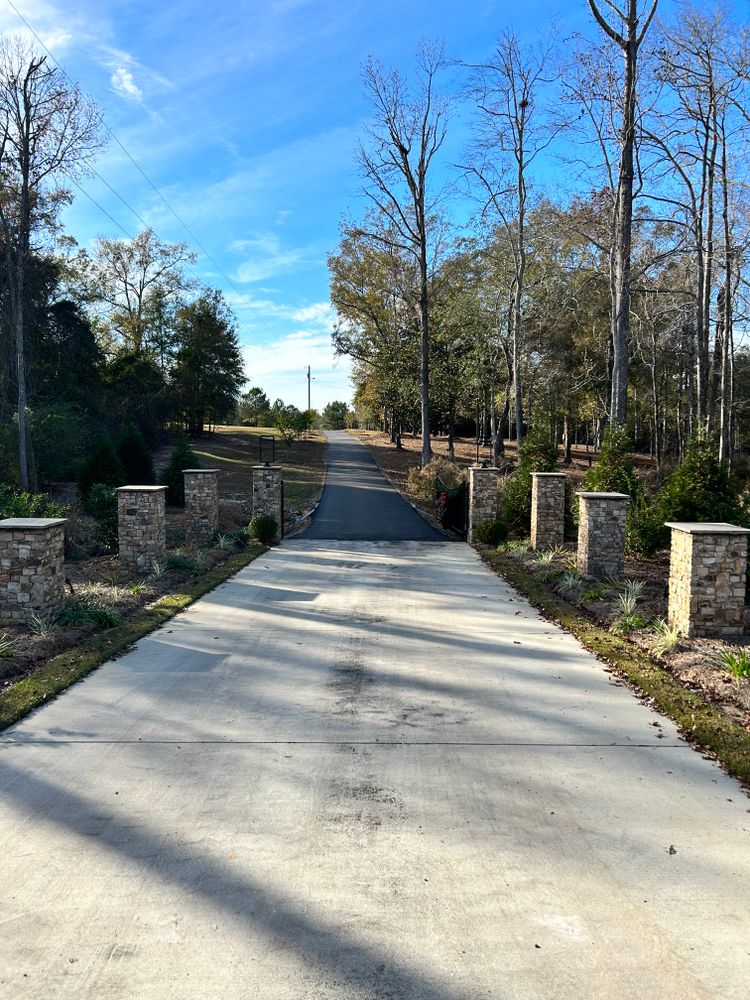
(183,457)
(209,371)
(135,456)
(101,466)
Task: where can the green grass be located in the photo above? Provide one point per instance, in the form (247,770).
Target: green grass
(699,721)
(21,698)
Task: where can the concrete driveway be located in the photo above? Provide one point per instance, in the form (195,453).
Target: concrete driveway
(365,770)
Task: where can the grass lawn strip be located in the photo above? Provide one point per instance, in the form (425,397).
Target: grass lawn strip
(699,721)
(67,668)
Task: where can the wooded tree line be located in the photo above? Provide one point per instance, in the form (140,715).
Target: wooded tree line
(90,342)
(622,300)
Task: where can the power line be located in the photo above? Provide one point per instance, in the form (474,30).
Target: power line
(101,209)
(148,180)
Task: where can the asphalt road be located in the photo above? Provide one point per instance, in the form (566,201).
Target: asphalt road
(365,771)
(359,504)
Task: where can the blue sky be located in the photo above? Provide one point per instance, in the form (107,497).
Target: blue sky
(246,116)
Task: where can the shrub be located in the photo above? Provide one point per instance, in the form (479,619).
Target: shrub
(701,489)
(101,466)
(491,532)
(264,528)
(102,506)
(183,457)
(135,456)
(13,504)
(614,472)
(423,482)
(537,453)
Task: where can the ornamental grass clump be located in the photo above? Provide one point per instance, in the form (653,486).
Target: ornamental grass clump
(666,637)
(7,649)
(735,661)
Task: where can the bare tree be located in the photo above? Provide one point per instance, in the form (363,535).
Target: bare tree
(628,34)
(137,278)
(514,130)
(47,129)
(407,131)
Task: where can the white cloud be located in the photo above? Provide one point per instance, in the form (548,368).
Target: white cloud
(280,368)
(268,257)
(124,84)
(319,313)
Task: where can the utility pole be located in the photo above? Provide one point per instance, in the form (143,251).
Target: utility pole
(308,389)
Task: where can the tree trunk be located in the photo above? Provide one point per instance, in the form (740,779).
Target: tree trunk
(624,217)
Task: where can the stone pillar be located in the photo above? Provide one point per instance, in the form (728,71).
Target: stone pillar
(707,578)
(482,497)
(547,509)
(32,561)
(268,496)
(141,525)
(201,505)
(601,534)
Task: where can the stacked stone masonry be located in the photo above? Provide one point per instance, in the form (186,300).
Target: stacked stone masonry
(201,505)
(601,534)
(707,579)
(141,525)
(547,509)
(267,493)
(32,568)
(482,497)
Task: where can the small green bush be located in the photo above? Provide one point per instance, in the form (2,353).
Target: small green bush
(183,457)
(491,532)
(701,489)
(264,529)
(101,466)
(17,504)
(135,456)
(614,472)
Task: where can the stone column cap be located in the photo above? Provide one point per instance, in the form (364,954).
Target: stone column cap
(483,468)
(555,475)
(140,489)
(604,496)
(200,470)
(707,528)
(267,465)
(30,523)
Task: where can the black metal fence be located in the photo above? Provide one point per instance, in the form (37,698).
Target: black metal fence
(452,506)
